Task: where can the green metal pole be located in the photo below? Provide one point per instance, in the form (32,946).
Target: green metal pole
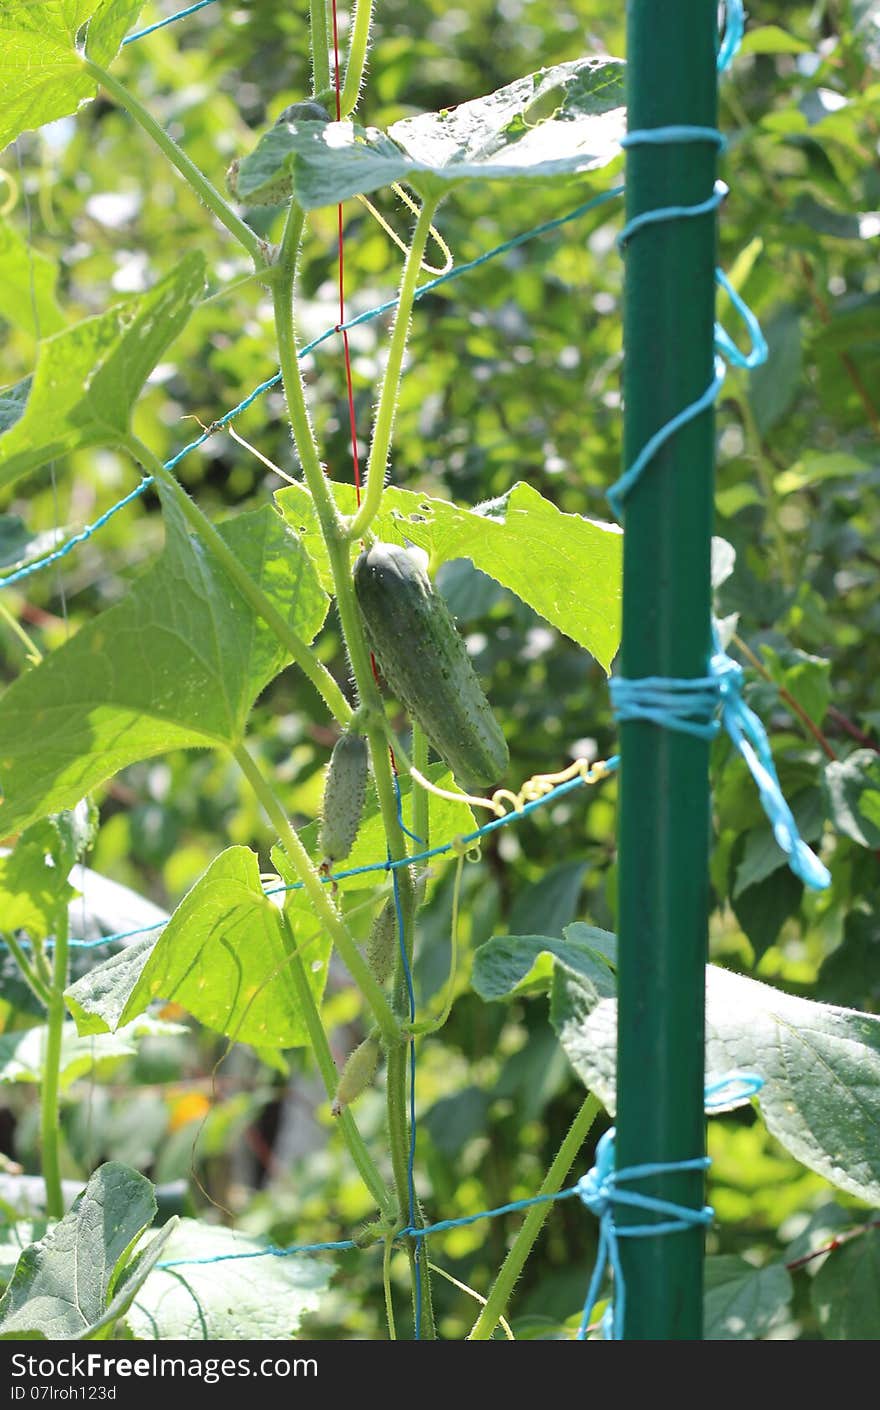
(664,808)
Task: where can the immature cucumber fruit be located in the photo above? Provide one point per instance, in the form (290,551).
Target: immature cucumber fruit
(357,1074)
(345,790)
(383,943)
(425,661)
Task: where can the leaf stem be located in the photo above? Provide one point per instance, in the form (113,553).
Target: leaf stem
(330,1076)
(533,1223)
(178,158)
(318,895)
(320,35)
(28,972)
(313,669)
(369,698)
(387,405)
(785,695)
(357,56)
(49,1094)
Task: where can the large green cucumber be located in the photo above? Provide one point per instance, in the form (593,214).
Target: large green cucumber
(426,663)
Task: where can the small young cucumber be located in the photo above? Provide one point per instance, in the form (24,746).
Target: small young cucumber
(383,943)
(426,663)
(345,790)
(357,1074)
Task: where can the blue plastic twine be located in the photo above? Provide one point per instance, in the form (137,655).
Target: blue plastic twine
(601,1192)
(690,706)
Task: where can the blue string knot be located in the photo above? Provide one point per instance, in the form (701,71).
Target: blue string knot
(600,1192)
(689,706)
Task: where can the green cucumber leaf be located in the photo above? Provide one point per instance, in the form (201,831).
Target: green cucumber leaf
(41,72)
(89,376)
(177,664)
(820,1065)
(222,956)
(242,1299)
(78,1280)
(578,588)
(548,126)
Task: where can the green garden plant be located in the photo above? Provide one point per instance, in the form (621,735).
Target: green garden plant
(182,660)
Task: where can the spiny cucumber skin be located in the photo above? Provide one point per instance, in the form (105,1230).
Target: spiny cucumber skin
(345,791)
(357,1074)
(383,942)
(425,661)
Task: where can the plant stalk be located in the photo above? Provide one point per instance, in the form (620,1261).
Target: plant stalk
(357,57)
(313,669)
(193,176)
(49,1095)
(531,1226)
(369,697)
(330,1076)
(387,405)
(320,35)
(317,894)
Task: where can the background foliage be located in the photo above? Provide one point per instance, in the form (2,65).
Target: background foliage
(514,374)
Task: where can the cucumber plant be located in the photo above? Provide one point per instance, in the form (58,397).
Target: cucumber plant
(246,600)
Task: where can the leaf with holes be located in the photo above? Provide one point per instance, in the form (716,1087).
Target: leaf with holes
(79,1279)
(89,376)
(177,664)
(223,956)
(41,72)
(579,585)
(552,125)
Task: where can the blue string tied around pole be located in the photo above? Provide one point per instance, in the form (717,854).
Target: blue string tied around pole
(601,1191)
(691,706)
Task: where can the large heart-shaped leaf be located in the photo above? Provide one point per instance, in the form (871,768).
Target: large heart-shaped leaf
(557,123)
(41,72)
(80,1278)
(223,957)
(177,664)
(820,1065)
(89,376)
(567,568)
(241,1299)
(744,1303)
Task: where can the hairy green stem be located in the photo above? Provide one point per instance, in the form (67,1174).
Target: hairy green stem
(49,1094)
(320,34)
(357,56)
(178,158)
(317,893)
(28,973)
(387,404)
(329,1074)
(311,667)
(533,1223)
(369,697)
